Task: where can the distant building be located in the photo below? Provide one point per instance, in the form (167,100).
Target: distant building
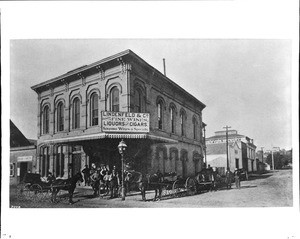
(22,154)
(241,151)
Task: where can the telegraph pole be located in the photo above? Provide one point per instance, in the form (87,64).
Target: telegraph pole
(227,127)
(262,154)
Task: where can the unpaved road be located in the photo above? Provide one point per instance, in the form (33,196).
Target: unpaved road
(273,189)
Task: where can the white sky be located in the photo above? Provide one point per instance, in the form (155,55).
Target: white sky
(245,84)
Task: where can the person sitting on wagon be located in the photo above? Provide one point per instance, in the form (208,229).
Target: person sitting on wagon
(50,178)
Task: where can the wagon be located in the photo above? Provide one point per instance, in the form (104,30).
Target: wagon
(33,188)
(176,186)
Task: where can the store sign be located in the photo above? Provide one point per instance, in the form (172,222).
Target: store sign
(24,158)
(125,122)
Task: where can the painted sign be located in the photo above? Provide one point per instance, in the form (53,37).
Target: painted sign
(125,122)
(24,158)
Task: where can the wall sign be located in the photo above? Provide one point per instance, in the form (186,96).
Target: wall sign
(125,122)
(24,158)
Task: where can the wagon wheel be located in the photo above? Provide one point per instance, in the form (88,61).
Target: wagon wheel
(36,192)
(190,186)
(176,188)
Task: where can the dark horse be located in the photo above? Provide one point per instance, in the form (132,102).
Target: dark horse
(67,185)
(137,181)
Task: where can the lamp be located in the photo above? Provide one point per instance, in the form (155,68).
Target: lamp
(122,148)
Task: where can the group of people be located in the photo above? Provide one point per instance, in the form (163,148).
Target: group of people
(102,176)
(228,178)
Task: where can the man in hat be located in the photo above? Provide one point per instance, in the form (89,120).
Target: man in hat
(237,178)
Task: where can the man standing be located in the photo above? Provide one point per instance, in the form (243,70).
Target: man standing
(228,179)
(86,175)
(237,178)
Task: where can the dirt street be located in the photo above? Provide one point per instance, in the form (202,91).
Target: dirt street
(273,189)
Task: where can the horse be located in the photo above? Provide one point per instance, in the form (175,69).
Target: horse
(136,180)
(67,185)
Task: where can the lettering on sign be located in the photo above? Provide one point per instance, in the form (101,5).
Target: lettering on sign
(24,158)
(125,122)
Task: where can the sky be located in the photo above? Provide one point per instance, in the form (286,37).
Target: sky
(245,84)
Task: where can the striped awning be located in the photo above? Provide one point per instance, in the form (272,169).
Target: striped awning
(157,139)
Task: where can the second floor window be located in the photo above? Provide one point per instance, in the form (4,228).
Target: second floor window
(172,117)
(159,114)
(182,123)
(138,101)
(46,120)
(195,123)
(76,113)
(114,99)
(94,109)
(60,117)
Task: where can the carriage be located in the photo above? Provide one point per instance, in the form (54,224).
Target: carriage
(33,188)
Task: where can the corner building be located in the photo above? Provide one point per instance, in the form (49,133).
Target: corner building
(84,114)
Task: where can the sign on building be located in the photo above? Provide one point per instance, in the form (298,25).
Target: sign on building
(24,158)
(125,122)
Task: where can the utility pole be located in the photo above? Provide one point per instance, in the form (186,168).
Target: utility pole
(227,127)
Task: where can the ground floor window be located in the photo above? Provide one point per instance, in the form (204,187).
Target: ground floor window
(60,162)
(45,161)
(12,170)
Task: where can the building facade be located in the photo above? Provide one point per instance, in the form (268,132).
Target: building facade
(241,151)
(83,115)
(22,155)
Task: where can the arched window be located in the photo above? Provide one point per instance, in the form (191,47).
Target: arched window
(139,102)
(160,114)
(172,119)
(76,113)
(182,122)
(60,116)
(114,99)
(195,124)
(46,120)
(94,109)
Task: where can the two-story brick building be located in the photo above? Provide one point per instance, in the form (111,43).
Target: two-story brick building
(83,115)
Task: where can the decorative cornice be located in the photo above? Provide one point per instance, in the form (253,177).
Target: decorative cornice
(101,72)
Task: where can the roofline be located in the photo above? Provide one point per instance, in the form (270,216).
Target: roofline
(110,58)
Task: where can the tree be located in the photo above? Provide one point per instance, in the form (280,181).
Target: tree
(280,160)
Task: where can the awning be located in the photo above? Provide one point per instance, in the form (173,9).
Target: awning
(157,139)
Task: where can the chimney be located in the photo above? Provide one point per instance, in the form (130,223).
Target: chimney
(164,66)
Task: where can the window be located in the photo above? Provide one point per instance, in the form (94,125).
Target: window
(94,109)
(114,99)
(195,124)
(46,120)
(45,160)
(182,123)
(60,116)
(138,101)
(76,113)
(172,118)
(12,170)
(159,114)
(60,162)
(237,163)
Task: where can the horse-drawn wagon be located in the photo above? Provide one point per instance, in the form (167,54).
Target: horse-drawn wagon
(32,187)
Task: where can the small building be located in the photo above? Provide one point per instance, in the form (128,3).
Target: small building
(85,113)
(22,155)
(241,151)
